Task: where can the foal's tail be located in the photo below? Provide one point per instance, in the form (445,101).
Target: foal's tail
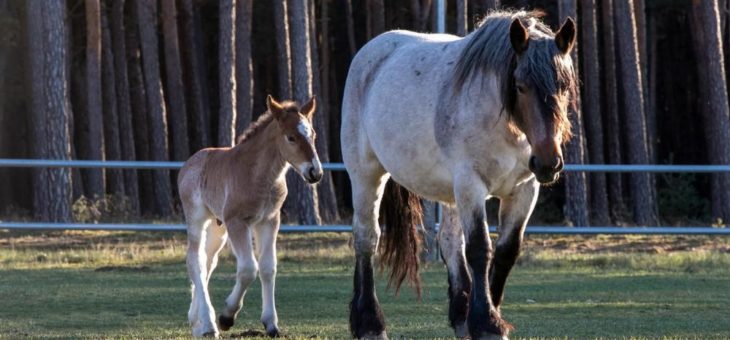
(401,246)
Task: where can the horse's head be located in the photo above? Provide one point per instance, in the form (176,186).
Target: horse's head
(297,137)
(544,88)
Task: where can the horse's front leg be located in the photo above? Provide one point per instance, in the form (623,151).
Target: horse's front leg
(239,235)
(514,211)
(483,319)
(265,237)
(451,244)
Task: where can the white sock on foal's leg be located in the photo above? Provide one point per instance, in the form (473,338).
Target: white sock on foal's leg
(266,245)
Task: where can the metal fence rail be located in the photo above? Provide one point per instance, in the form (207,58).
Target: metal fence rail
(651,168)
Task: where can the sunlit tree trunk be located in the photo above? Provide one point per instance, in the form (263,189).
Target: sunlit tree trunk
(50,109)
(226,73)
(175,91)
(462,17)
(244,65)
(90,122)
(642,190)
(112,149)
(156,117)
(283,49)
(706,36)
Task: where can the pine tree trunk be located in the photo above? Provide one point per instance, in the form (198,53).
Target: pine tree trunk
(244,65)
(350,28)
(303,201)
(283,49)
(175,91)
(196,91)
(713,98)
(591,81)
(325,188)
(92,145)
(377,12)
(462,17)
(576,208)
(126,128)
(50,109)
(644,206)
(613,128)
(226,74)
(138,104)
(156,117)
(112,148)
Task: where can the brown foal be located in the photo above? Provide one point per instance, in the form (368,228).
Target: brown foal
(244,187)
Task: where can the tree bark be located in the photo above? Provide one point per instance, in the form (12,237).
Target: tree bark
(196,91)
(146,20)
(303,200)
(126,128)
(591,80)
(613,129)
(50,109)
(92,145)
(576,208)
(244,65)
(421,10)
(283,49)
(350,28)
(644,207)
(115,179)
(707,37)
(325,188)
(462,22)
(226,73)
(175,89)
(377,19)
(138,103)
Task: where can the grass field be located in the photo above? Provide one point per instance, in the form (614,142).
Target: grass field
(120,285)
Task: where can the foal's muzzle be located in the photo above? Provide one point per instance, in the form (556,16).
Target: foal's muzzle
(546,172)
(312,171)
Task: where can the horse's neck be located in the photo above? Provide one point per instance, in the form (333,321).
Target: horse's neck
(261,153)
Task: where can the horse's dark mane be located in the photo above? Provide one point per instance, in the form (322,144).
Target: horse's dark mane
(264,120)
(490,50)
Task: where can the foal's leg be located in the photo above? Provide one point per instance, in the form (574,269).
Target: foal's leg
(451,242)
(514,211)
(265,236)
(247,268)
(366,317)
(215,238)
(484,320)
(200,314)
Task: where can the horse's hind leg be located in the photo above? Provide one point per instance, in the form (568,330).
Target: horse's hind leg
(239,234)
(201,312)
(514,211)
(215,238)
(265,236)
(366,317)
(451,243)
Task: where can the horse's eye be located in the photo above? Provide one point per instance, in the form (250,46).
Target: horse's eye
(521,89)
(290,139)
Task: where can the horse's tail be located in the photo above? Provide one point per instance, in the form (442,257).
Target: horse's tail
(401,246)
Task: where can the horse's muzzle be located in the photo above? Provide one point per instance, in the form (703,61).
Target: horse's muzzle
(546,174)
(313,175)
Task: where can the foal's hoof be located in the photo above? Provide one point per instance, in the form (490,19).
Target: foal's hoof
(273,333)
(370,336)
(211,334)
(461,331)
(224,322)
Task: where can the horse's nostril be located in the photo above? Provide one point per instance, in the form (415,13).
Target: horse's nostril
(559,164)
(532,164)
(312,173)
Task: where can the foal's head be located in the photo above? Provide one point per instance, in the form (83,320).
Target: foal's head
(297,136)
(544,88)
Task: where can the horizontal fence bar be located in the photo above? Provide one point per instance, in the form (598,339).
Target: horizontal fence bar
(662,230)
(50,163)
(57,163)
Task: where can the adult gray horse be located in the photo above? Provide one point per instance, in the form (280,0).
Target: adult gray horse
(455,120)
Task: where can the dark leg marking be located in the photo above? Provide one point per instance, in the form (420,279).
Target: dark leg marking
(505,256)
(274,333)
(483,318)
(366,317)
(459,295)
(224,322)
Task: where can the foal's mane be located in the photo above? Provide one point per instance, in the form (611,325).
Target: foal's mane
(490,50)
(263,121)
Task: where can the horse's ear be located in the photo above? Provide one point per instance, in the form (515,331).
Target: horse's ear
(518,36)
(274,107)
(565,38)
(309,108)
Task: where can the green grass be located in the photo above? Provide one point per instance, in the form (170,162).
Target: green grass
(56,290)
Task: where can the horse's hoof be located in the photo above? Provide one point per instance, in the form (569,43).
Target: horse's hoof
(381,336)
(212,334)
(461,331)
(273,333)
(224,322)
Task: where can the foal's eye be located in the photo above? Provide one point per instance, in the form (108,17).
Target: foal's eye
(290,139)
(521,89)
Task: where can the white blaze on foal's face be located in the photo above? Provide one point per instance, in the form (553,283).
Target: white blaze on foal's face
(305,129)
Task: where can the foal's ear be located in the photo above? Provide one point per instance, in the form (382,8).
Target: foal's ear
(565,38)
(518,36)
(274,107)
(309,108)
